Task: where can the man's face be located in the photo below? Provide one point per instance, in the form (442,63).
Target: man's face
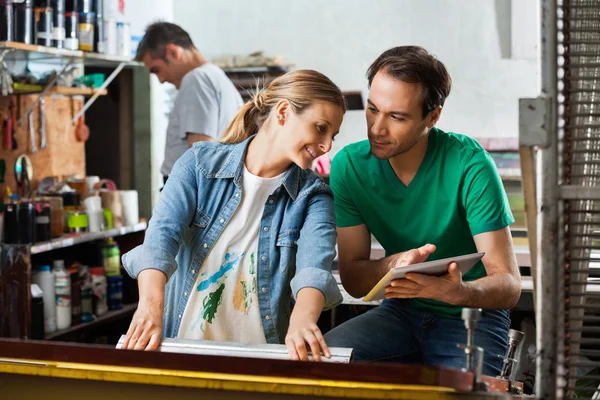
(165,69)
(395,116)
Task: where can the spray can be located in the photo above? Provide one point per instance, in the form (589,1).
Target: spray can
(23,21)
(71,31)
(123,39)
(43,26)
(58,26)
(6,20)
(99,45)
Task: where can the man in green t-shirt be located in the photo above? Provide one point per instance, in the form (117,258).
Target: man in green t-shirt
(423,194)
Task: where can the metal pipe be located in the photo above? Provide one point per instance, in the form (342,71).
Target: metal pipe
(547,273)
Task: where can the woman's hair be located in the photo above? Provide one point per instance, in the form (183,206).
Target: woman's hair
(301,88)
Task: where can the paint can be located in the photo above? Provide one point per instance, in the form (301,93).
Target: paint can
(87,22)
(43,26)
(43,231)
(6,21)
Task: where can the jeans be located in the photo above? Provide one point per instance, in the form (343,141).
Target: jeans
(398,332)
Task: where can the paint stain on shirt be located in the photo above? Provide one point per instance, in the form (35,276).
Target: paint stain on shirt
(226,266)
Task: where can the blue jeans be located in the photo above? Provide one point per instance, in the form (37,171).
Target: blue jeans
(398,332)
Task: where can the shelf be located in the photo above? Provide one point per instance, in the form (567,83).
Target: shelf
(110,316)
(16,51)
(62,90)
(78,238)
(281,69)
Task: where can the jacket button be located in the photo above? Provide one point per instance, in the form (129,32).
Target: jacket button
(271,201)
(179,316)
(264,289)
(193,271)
(237,195)
(264,258)
(266,229)
(205,245)
(221,220)
(185,294)
(268,317)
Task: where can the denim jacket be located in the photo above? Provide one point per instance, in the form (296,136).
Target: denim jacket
(296,244)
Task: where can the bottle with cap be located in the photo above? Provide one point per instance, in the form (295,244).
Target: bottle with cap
(63,294)
(44,278)
(112,258)
(99,291)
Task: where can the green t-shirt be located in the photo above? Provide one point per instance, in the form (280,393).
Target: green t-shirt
(456,194)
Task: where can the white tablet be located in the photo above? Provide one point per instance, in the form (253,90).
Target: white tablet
(436,268)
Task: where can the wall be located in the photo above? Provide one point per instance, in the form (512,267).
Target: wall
(489,47)
(140,13)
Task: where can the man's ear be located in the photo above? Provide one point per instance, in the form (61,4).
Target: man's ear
(434,117)
(173,52)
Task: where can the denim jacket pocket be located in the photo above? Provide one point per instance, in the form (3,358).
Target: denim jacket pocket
(287,243)
(200,221)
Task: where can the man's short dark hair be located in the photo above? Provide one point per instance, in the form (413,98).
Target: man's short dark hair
(413,64)
(158,35)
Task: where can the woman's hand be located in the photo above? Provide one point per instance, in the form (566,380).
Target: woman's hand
(300,334)
(146,326)
(303,327)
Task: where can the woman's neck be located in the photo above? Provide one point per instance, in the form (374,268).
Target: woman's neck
(261,159)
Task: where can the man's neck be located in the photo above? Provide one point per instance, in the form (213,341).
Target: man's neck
(193,59)
(406,164)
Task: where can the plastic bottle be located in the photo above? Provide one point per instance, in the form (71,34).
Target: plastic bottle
(99,290)
(63,294)
(45,280)
(85,280)
(115,292)
(111,255)
(75,295)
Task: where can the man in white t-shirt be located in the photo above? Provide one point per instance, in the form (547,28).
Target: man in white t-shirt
(207,99)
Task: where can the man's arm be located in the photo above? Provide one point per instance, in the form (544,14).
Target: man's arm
(197,137)
(359,274)
(500,289)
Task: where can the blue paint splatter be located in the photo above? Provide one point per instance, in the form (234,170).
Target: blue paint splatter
(225,267)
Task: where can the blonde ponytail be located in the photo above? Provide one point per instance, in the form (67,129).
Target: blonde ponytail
(247,121)
(301,88)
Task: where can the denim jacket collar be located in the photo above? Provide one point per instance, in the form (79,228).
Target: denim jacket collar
(235,163)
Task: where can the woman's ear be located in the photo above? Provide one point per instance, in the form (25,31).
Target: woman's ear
(281,111)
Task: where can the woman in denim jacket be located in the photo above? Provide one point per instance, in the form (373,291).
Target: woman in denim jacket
(244,226)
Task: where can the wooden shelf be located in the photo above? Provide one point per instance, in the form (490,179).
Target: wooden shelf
(78,238)
(63,90)
(128,309)
(30,52)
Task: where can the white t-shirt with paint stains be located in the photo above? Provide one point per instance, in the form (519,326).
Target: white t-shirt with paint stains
(223,303)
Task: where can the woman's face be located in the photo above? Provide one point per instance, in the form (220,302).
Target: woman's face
(307,136)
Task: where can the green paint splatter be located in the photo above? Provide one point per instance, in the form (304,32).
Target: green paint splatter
(247,300)
(252,263)
(211,304)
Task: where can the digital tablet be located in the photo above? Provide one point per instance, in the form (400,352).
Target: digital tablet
(436,268)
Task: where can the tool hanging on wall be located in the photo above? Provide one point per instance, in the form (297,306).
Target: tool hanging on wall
(6,82)
(32,133)
(24,175)
(82,131)
(11,125)
(42,127)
